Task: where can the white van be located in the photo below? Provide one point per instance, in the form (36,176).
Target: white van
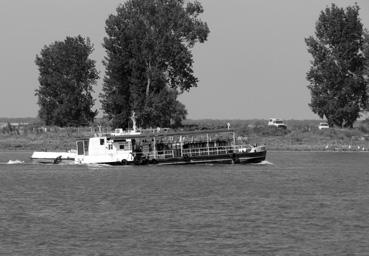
(323,126)
(276,122)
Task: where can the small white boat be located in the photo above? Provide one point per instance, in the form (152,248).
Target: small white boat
(54,157)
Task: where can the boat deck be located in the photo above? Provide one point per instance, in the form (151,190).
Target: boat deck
(226,154)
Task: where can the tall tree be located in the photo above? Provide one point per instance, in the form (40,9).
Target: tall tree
(148,47)
(163,109)
(67,75)
(366,54)
(336,76)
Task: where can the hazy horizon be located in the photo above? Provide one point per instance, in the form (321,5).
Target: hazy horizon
(253,65)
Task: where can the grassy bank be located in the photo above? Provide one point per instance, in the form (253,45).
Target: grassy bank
(42,139)
(301,135)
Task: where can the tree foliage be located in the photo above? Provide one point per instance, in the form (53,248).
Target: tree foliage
(149,59)
(337,81)
(366,54)
(66,78)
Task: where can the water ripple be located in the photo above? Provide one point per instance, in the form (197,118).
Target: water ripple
(302,204)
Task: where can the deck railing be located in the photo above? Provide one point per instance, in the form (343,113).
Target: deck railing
(215,150)
(201,151)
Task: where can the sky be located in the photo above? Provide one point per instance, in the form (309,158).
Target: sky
(253,65)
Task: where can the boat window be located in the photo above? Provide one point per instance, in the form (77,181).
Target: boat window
(85,145)
(124,146)
(102,141)
(80,148)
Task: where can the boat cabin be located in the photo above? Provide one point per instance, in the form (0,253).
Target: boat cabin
(104,149)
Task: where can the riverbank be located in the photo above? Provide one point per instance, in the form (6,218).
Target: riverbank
(315,140)
(300,136)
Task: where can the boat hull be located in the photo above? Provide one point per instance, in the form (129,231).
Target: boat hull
(226,158)
(53,157)
(235,158)
(231,158)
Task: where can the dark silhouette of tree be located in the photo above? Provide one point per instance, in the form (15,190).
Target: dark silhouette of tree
(148,47)
(163,109)
(366,54)
(66,78)
(337,83)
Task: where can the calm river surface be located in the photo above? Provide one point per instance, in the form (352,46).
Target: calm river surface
(296,203)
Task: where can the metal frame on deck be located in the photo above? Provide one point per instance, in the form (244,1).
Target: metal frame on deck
(170,153)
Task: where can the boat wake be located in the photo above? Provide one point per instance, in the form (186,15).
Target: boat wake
(93,166)
(15,162)
(265,162)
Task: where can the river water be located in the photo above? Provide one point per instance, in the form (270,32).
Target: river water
(295,203)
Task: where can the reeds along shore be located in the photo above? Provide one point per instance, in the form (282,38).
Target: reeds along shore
(301,135)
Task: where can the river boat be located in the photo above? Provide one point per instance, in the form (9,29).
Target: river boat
(161,146)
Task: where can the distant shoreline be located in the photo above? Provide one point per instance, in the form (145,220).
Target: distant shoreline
(19,144)
(301,135)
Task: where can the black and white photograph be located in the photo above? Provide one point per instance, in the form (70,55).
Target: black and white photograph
(184,127)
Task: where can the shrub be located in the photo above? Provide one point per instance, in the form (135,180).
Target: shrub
(270,131)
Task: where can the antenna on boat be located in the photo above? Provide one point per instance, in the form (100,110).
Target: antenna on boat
(133,118)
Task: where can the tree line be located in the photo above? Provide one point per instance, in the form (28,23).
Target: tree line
(149,62)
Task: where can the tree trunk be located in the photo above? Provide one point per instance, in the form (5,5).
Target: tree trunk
(148,72)
(148,86)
